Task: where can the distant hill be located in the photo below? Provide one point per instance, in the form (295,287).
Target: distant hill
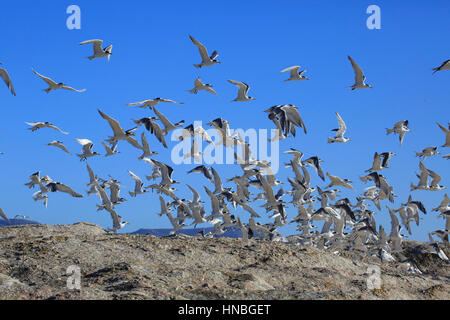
(16,222)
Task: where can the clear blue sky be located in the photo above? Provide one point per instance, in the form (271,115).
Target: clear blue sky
(153,57)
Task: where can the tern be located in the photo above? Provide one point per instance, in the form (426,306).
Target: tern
(151,102)
(190,131)
(427,152)
(206,59)
(152,126)
(199,85)
(119,133)
(146,148)
(98,51)
(400,128)
(447,135)
(86,149)
(5,76)
(339,137)
(336,181)
(379,164)
(110,150)
(295,74)
(203,170)
(194,153)
(138,185)
(168,126)
(360,78)
(242,91)
(53,85)
(39,125)
(59,144)
(444,66)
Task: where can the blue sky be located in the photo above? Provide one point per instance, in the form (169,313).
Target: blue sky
(153,57)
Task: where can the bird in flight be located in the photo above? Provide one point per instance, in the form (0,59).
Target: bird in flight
(151,102)
(39,125)
(98,51)
(54,86)
(199,85)
(206,59)
(295,74)
(339,137)
(242,91)
(360,78)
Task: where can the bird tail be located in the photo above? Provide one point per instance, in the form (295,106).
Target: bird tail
(419,154)
(133,194)
(193,91)
(198,66)
(413,187)
(389,131)
(330,140)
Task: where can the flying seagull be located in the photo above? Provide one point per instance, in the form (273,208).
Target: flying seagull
(151,102)
(5,76)
(59,144)
(359,77)
(206,59)
(339,137)
(53,85)
(199,85)
(98,51)
(427,152)
(138,185)
(242,91)
(295,75)
(444,66)
(39,125)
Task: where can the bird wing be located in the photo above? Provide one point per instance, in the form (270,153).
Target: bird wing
(115,126)
(3,215)
(201,49)
(135,177)
(167,124)
(170,101)
(242,88)
(134,142)
(83,142)
(435,178)
(342,126)
(49,81)
(57,129)
(97,45)
(70,88)
(5,76)
(64,188)
(359,76)
(138,103)
(293,69)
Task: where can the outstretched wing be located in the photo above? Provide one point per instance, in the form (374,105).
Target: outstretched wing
(359,76)
(201,49)
(5,76)
(49,81)
(72,89)
(97,45)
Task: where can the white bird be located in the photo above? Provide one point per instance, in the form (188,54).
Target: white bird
(194,153)
(86,149)
(59,144)
(119,133)
(146,148)
(400,128)
(110,150)
(444,66)
(151,102)
(98,51)
(242,91)
(138,185)
(360,78)
(295,75)
(427,152)
(168,126)
(199,85)
(58,186)
(5,76)
(53,85)
(39,125)
(207,60)
(339,137)
(336,181)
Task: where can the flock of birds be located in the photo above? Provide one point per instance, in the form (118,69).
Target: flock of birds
(345,224)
